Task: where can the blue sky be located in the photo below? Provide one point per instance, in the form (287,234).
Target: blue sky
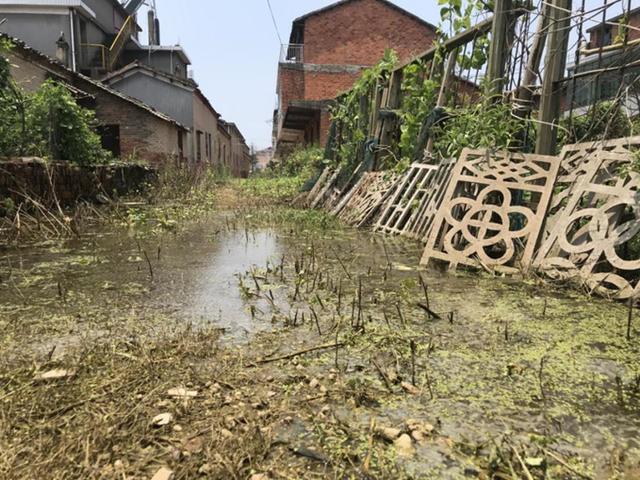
(234,50)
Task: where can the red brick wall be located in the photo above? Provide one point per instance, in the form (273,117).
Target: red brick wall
(327,86)
(634,21)
(290,85)
(358,32)
(595,38)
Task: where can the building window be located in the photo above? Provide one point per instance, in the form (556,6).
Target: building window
(199,146)
(110,138)
(210,141)
(180,144)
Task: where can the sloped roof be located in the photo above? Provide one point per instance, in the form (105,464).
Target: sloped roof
(387,3)
(55,64)
(138,66)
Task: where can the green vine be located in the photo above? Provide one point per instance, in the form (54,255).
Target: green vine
(419,98)
(481,125)
(352,110)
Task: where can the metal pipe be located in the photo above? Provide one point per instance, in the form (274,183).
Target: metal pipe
(73,39)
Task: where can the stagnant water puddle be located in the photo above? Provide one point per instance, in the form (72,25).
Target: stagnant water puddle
(506,356)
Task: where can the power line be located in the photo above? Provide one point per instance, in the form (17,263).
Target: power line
(275,24)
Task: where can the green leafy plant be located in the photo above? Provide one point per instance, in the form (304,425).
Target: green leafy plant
(481,125)
(303,161)
(61,129)
(352,110)
(48,123)
(419,98)
(603,121)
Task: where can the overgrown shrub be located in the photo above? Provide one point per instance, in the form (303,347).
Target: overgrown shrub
(603,121)
(301,162)
(60,128)
(48,123)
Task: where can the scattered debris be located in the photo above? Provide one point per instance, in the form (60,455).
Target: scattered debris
(162,420)
(404,446)
(410,389)
(182,393)
(53,375)
(389,434)
(163,474)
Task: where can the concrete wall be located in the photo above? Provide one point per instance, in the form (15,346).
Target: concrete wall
(173,100)
(160,60)
(223,148)
(40,31)
(107,14)
(240,161)
(206,122)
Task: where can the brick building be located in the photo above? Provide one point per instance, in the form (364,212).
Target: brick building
(179,98)
(327,52)
(128,127)
(599,76)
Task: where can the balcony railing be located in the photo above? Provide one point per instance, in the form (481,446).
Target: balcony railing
(93,55)
(292,53)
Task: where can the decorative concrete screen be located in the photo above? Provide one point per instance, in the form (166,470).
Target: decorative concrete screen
(493,210)
(574,165)
(368,195)
(591,237)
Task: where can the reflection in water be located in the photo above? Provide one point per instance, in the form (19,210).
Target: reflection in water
(216,296)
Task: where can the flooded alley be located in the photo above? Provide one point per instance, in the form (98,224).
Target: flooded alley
(469,367)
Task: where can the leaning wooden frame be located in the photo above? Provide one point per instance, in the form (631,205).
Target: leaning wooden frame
(367,197)
(413,205)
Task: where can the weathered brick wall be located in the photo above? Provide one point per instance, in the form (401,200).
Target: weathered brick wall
(142,136)
(358,33)
(71,182)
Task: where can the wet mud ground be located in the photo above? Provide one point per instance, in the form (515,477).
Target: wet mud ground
(276,343)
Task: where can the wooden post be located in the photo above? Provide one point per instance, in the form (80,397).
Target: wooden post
(444,88)
(500,39)
(555,64)
(523,104)
(393,102)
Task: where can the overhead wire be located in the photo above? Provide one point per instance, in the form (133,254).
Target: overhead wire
(275,23)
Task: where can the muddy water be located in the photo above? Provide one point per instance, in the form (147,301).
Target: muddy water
(111,281)
(104,279)
(518,357)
